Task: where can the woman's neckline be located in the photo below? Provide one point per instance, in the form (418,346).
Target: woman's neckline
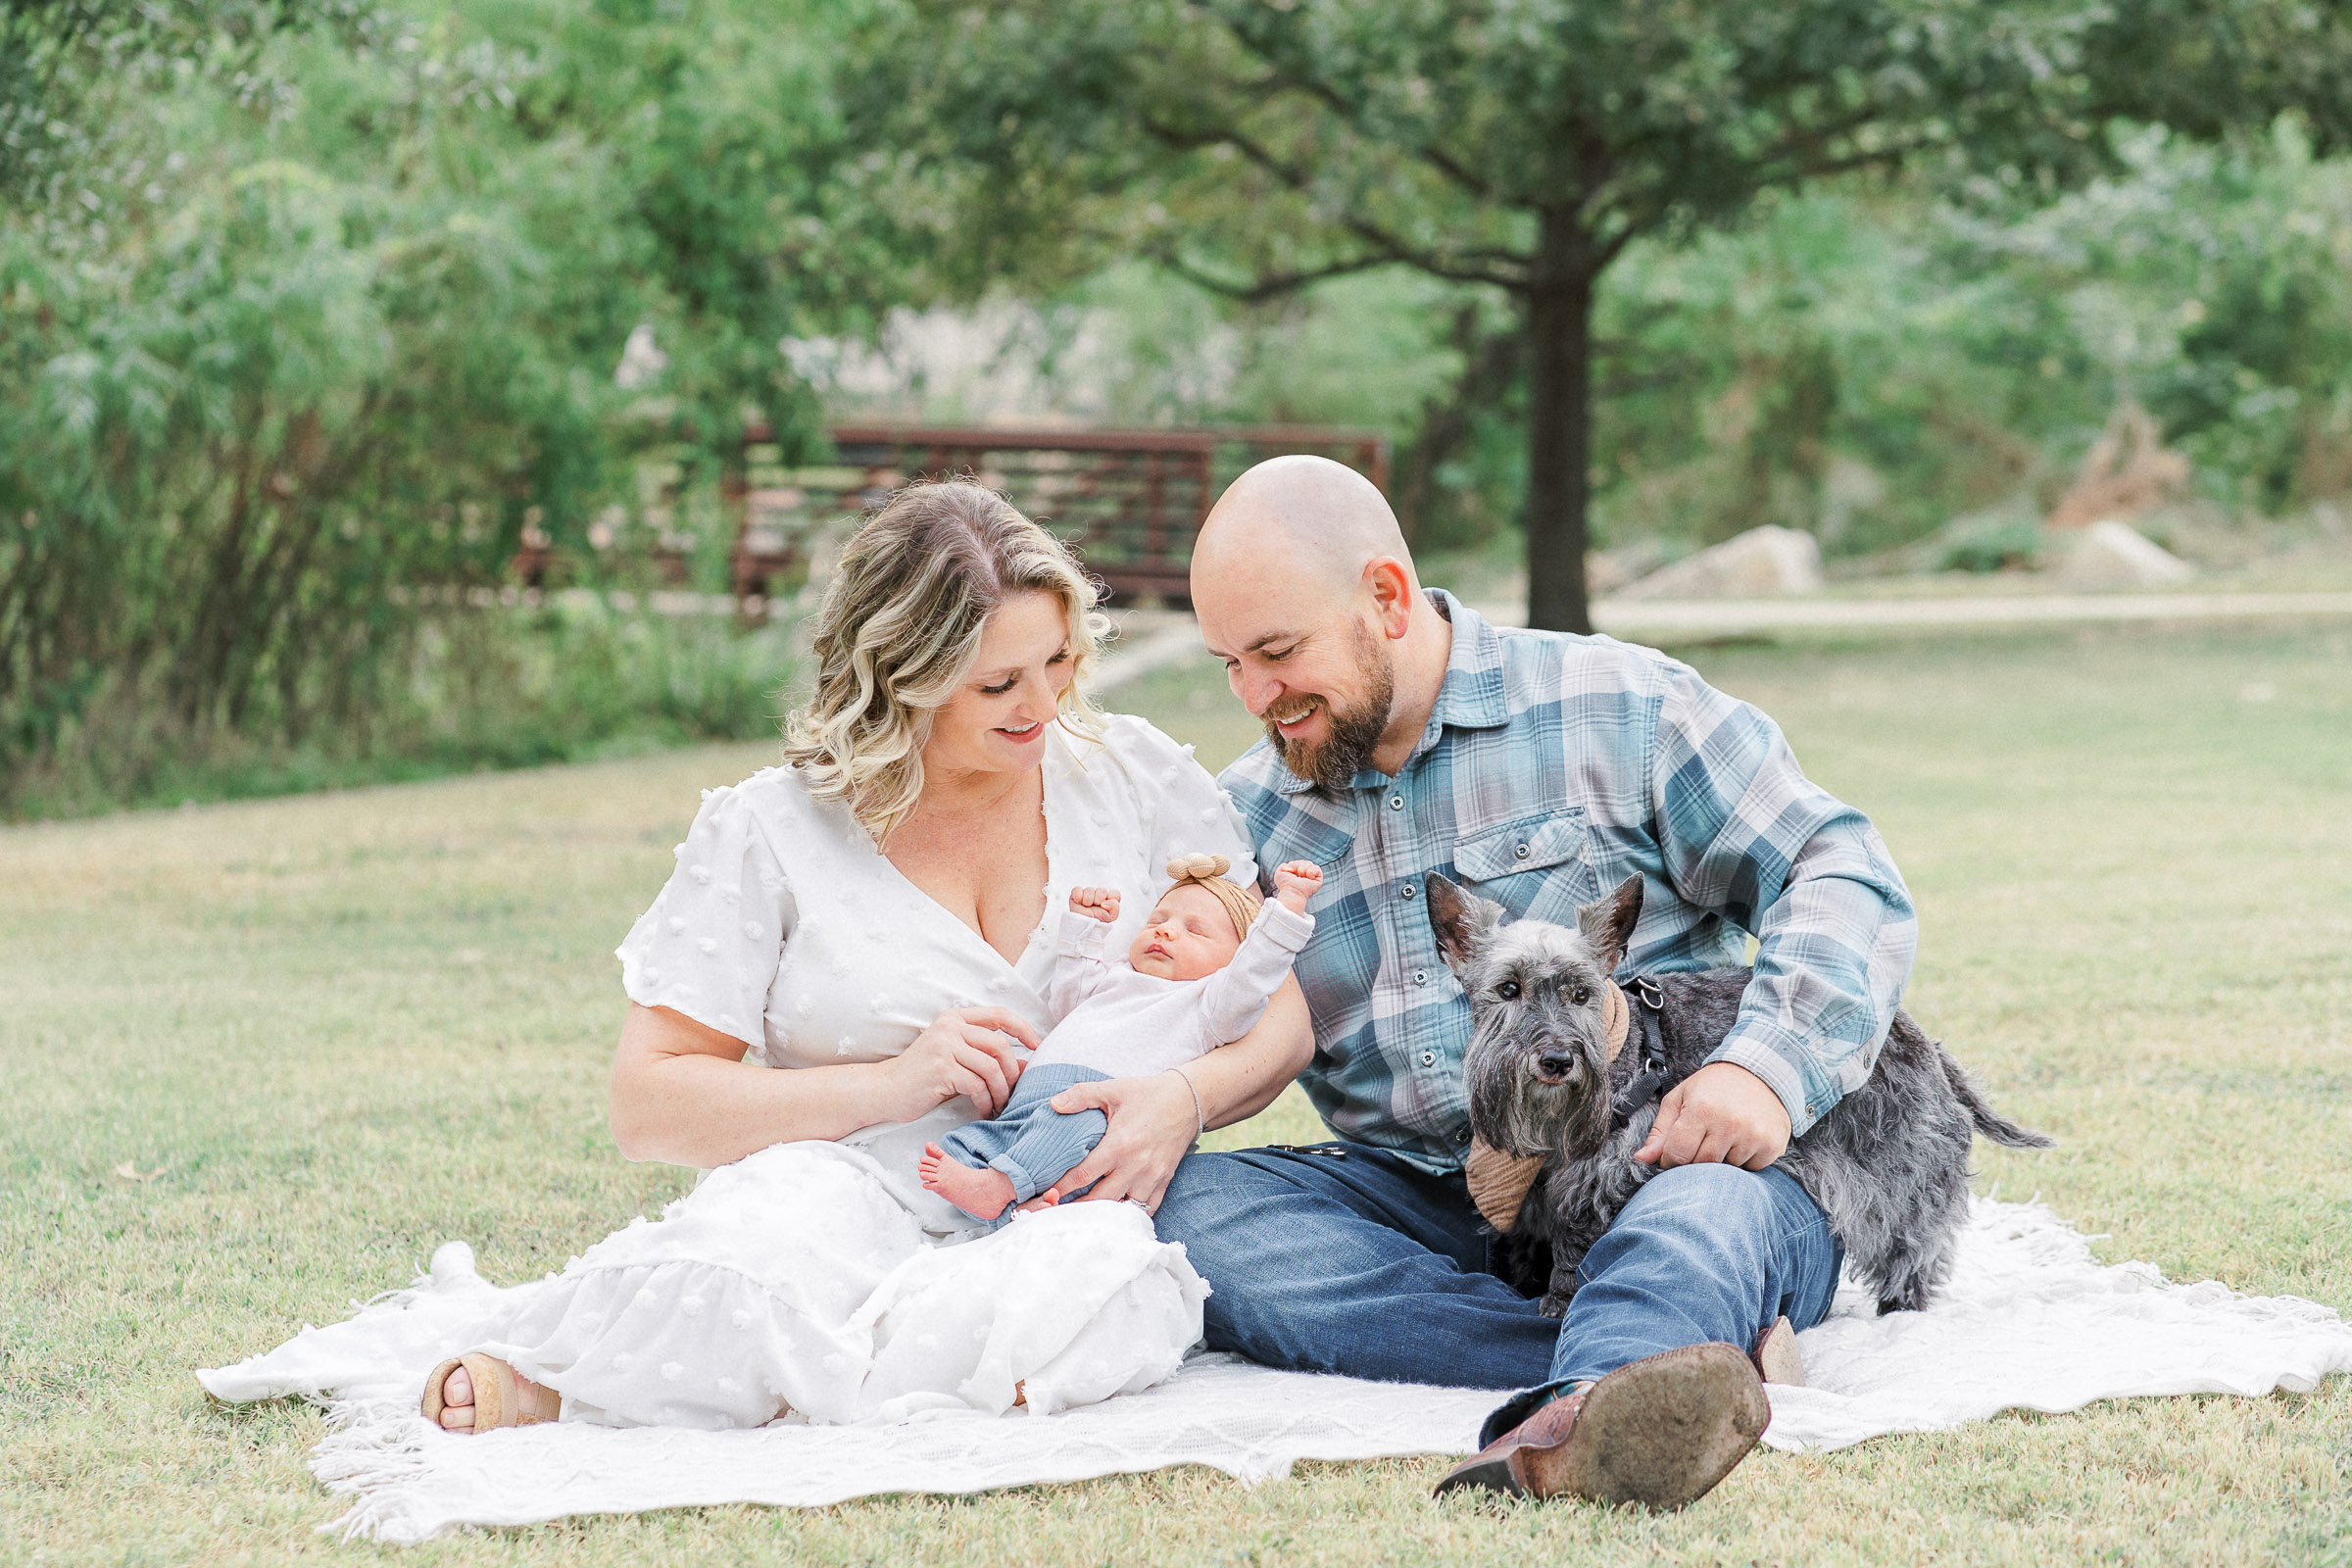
(1046,769)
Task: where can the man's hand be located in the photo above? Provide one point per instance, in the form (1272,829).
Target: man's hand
(1722,1114)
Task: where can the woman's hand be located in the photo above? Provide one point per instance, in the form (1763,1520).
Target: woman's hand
(968,1051)
(1153,1122)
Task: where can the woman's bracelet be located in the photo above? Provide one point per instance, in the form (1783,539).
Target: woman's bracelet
(1200,1118)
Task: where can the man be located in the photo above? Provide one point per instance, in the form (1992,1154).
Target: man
(1406,735)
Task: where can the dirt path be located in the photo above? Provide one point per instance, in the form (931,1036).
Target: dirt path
(1154,639)
(1637,617)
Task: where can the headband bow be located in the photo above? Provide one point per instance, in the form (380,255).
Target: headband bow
(1208,871)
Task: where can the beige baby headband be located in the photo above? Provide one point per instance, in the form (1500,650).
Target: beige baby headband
(1208,871)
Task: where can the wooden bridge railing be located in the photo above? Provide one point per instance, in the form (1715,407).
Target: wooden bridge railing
(1131,499)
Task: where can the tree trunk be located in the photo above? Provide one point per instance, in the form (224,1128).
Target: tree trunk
(1559,427)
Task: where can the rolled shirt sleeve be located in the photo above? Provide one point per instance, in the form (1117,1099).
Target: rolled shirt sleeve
(1744,832)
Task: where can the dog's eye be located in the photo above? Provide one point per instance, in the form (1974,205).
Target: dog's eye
(1583,995)
(1508,991)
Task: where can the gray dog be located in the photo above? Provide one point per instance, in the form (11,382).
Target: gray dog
(1888,1164)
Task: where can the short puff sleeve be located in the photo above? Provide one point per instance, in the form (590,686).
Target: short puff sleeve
(710,945)
(1182,808)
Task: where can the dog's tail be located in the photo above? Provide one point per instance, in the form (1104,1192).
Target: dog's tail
(1990,1122)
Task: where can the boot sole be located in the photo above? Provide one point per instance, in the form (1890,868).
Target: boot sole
(1661,1432)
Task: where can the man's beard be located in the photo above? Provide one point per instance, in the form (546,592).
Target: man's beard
(1356,730)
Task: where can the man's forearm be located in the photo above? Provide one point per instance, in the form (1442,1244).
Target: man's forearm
(1832,956)
(1745,834)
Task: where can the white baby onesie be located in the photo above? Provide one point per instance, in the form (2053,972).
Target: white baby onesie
(1125,1024)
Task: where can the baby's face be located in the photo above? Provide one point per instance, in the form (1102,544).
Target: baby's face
(1187,935)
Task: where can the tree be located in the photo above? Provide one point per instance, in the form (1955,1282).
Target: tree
(1257,146)
(53,52)
(302,325)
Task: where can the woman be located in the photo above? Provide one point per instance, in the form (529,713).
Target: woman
(841,969)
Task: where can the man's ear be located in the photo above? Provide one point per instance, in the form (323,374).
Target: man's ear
(1607,923)
(1391,586)
(1459,919)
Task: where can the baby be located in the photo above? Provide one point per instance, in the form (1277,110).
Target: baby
(1197,975)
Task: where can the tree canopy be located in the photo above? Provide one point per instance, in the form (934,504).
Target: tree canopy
(305,317)
(1520,145)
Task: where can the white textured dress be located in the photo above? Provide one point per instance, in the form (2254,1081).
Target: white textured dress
(818,1281)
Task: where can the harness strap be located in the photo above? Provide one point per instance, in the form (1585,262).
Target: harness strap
(1650,1082)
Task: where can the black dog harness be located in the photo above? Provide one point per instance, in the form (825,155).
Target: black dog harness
(1648,1001)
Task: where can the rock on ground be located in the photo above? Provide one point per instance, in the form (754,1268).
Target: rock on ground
(1758,563)
(2114,555)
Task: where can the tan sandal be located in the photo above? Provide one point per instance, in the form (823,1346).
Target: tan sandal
(502,1398)
(1777,1357)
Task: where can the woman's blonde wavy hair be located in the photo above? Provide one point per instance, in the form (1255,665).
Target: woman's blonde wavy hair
(900,627)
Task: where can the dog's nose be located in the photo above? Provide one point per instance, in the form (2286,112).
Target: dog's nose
(1555,1065)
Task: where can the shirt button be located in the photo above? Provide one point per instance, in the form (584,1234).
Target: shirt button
(1396,802)
(1429,1058)
(1520,852)
(1420,977)
(1407,893)
(1463,1137)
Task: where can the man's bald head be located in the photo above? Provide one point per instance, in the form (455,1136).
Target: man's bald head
(1304,589)
(1313,521)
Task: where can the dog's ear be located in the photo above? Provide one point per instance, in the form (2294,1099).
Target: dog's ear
(1607,924)
(1459,918)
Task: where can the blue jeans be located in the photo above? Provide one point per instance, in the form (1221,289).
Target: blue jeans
(1343,1257)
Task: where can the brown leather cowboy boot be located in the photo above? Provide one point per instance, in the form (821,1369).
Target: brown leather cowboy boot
(1660,1432)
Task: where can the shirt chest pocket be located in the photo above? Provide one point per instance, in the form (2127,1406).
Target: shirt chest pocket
(1302,837)
(1539,866)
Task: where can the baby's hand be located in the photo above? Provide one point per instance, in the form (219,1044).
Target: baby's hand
(1101,903)
(1295,882)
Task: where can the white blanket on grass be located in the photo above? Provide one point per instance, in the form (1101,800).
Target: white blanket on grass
(2030,1321)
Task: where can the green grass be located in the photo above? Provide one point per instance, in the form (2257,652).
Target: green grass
(345,1027)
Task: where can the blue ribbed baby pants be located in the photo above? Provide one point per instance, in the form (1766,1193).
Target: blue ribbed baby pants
(1031,1143)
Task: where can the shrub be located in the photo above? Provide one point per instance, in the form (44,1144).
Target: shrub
(300,346)
(478,687)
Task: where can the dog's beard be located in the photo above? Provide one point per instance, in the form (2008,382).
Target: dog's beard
(1514,1112)
(1356,730)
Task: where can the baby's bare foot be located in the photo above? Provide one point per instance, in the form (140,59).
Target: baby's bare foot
(981,1193)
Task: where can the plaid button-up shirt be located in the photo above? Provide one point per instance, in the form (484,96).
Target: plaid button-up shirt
(1554,767)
